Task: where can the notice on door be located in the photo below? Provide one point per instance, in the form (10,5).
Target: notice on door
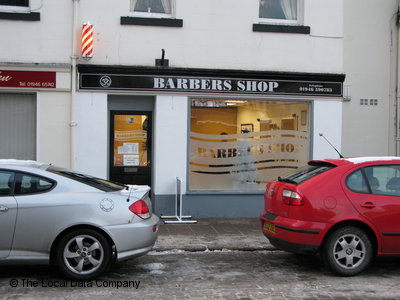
(131,160)
(129,148)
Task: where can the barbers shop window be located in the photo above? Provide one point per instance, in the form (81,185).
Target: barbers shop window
(279,11)
(240,144)
(152,8)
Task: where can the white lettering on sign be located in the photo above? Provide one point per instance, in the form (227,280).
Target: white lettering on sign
(182,84)
(158,83)
(256,86)
(5,78)
(214,84)
(192,84)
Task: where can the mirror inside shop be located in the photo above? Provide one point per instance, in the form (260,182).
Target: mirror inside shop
(239,144)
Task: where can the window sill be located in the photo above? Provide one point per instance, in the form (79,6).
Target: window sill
(281,28)
(33,16)
(165,22)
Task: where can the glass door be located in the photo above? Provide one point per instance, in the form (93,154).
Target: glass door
(130,147)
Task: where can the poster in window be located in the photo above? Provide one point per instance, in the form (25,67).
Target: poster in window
(131,160)
(131,148)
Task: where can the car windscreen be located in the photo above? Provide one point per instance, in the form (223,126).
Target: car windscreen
(306,172)
(98,183)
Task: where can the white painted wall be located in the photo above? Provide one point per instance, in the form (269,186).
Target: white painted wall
(327,120)
(370,39)
(215,34)
(46,41)
(218,34)
(170,146)
(53,131)
(92,134)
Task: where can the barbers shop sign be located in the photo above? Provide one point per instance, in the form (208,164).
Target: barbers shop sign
(209,85)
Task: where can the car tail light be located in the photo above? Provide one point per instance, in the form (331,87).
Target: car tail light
(292,198)
(141,209)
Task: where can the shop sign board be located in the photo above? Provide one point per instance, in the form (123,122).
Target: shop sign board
(27,79)
(187,84)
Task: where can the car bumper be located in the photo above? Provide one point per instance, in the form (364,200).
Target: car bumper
(134,239)
(293,235)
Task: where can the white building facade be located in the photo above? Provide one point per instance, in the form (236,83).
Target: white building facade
(224,95)
(371,64)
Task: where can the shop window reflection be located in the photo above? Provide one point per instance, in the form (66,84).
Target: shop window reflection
(241,144)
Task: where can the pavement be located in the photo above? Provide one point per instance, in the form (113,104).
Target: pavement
(213,234)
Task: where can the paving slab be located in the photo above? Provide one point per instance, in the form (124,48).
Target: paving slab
(213,234)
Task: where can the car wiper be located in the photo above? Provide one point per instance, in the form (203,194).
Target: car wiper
(286,180)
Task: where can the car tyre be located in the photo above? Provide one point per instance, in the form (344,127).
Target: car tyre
(347,251)
(83,254)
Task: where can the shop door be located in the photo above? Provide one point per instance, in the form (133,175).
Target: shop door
(130,147)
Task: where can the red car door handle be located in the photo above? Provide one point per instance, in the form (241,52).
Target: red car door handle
(368,205)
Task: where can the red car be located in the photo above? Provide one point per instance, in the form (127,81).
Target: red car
(347,209)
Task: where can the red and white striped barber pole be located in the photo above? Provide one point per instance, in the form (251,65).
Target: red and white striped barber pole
(87,40)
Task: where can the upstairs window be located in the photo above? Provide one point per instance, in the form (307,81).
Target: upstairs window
(152,8)
(279,11)
(23,3)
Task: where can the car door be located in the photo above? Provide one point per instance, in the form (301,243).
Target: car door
(8,212)
(375,193)
(35,213)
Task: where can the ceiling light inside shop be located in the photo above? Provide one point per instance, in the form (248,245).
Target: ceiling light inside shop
(235,102)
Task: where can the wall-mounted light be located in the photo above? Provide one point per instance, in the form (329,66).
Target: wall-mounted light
(163,62)
(87,40)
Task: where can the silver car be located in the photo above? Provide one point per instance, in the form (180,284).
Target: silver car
(81,223)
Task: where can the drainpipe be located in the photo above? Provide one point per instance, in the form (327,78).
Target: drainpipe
(73,124)
(397,91)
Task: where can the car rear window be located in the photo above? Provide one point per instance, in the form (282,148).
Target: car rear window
(31,184)
(98,183)
(306,172)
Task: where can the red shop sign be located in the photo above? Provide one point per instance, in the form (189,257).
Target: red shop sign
(27,79)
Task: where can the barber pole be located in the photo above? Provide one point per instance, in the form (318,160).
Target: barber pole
(87,40)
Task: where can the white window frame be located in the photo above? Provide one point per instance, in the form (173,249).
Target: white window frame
(15,8)
(298,21)
(152,15)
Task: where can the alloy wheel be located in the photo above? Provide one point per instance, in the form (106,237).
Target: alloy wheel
(83,254)
(349,251)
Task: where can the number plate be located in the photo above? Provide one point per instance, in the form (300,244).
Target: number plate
(269,227)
